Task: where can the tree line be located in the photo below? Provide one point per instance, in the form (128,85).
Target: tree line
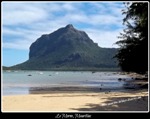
(133,51)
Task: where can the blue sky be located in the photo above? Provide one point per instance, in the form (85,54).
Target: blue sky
(24,22)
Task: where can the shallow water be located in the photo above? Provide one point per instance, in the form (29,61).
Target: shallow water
(22,82)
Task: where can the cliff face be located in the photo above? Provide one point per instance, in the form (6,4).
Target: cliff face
(64,39)
(68,48)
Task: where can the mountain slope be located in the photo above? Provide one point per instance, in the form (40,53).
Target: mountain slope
(68,48)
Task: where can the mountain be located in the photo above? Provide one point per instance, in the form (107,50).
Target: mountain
(68,48)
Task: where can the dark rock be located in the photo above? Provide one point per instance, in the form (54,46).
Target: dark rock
(119,79)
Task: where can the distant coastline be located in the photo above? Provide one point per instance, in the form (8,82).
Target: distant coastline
(66,69)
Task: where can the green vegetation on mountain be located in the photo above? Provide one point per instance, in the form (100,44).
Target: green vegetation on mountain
(68,49)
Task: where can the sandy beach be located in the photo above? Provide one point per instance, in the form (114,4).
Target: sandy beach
(129,100)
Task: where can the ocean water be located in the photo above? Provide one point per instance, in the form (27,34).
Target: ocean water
(21,82)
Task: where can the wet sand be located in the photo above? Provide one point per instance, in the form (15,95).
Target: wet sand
(70,101)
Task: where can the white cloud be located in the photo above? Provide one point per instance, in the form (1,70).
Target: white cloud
(8,31)
(68,7)
(104,20)
(18,44)
(21,14)
(23,38)
(28,21)
(104,38)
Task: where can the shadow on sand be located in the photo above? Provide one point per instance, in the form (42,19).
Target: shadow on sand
(118,104)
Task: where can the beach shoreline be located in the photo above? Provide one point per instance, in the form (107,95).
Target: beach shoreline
(127,100)
(68,98)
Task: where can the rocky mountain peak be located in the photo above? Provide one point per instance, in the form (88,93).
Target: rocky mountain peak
(67,48)
(70,26)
